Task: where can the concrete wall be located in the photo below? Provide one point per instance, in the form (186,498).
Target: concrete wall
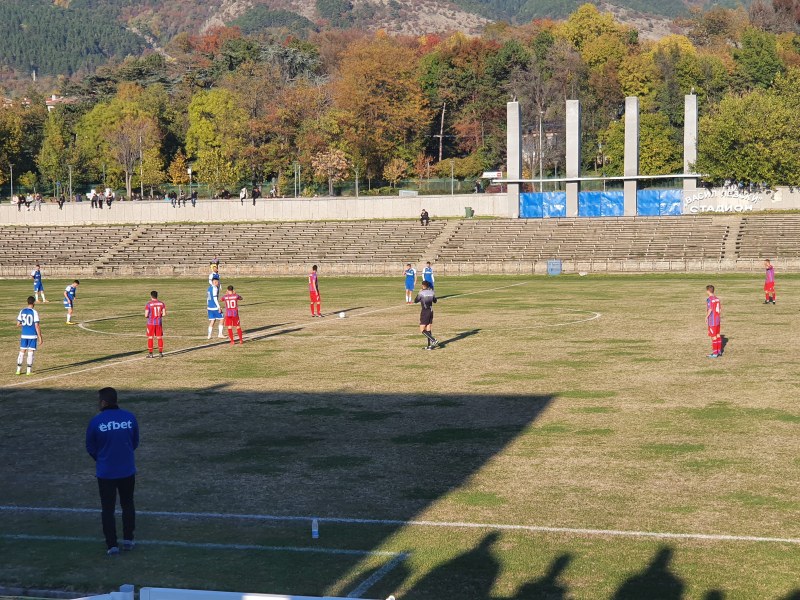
(732,201)
(216,211)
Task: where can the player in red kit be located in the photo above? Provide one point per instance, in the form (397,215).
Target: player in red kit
(769,283)
(155,310)
(713,319)
(313,292)
(231,303)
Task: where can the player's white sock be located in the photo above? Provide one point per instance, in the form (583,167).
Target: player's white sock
(210,329)
(19,358)
(220,331)
(30,360)
(43,298)
(69,317)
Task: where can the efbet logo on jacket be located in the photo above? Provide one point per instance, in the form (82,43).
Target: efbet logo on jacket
(113,425)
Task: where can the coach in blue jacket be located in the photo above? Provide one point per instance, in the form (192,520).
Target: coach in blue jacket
(111,438)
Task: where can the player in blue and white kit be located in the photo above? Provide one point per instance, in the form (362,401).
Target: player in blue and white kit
(410,274)
(38,286)
(214,309)
(69,299)
(214,275)
(427,274)
(31,334)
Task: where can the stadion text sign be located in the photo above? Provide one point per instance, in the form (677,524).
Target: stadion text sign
(721,200)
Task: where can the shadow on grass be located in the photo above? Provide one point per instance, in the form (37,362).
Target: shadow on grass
(89,361)
(458,337)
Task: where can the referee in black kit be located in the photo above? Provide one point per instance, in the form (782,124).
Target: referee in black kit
(427,299)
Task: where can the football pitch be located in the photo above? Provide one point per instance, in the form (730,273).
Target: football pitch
(569,439)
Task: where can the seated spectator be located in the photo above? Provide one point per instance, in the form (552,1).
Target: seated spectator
(424,219)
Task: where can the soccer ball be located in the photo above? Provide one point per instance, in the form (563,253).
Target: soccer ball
(341,315)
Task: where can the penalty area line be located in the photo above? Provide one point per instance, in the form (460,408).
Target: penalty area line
(578,531)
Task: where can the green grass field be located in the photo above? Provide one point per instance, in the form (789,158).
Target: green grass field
(572,402)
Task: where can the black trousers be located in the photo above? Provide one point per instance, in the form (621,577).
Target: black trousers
(108,501)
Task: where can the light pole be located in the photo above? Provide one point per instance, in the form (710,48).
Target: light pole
(356,182)
(541,161)
(189,171)
(70,181)
(141,167)
(10,166)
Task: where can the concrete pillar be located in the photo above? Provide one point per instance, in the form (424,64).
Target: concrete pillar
(689,143)
(573,159)
(631,154)
(513,152)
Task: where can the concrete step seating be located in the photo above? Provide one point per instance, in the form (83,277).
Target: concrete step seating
(586,239)
(769,236)
(280,242)
(67,246)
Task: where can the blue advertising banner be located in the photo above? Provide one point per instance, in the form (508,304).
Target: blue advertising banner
(601,204)
(654,203)
(537,205)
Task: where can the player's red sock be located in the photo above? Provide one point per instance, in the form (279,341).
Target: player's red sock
(239,333)
(161,345)
(319,310)
(312,310)
(718,345)
(766,297)
(150,345)
(230,333)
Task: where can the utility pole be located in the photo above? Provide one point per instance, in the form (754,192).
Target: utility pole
(10,166)
(452,179)
(441,131)
(141,167)
(356,182)
(70,181)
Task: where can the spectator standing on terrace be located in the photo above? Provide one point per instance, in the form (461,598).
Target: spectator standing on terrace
(93,198)
(61,201)
(194,198)
(424,218)
(37,202)
(769,283)
(242,195)
(256,194)
(112,437)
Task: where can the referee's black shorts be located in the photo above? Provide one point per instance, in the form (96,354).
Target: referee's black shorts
(426,316)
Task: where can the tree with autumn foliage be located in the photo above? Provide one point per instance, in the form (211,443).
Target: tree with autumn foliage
(395,170)
(178,170)
(331,166)
(379,101)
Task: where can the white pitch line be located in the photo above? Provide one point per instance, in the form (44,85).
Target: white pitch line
(363,587)
(445,524)
(210,545)
(28,381)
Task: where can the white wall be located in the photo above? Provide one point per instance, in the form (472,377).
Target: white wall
(733,201)
(317,209)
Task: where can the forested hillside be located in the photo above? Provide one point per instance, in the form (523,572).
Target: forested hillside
(38,35)
(245,108)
